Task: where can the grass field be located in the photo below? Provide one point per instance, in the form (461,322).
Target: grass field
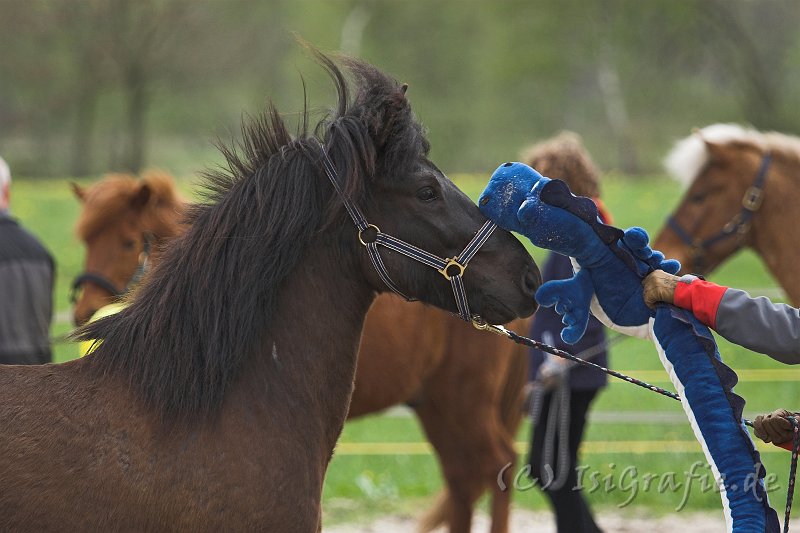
(383,464)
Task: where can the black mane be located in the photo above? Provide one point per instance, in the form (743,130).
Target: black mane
(202,311)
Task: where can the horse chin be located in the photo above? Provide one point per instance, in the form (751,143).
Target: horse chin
(496,312)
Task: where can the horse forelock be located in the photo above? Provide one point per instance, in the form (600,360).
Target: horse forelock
(203,310)
(690,155)
(107,200)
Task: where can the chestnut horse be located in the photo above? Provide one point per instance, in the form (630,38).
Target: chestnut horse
(742,191)
(217,395)
(464,385)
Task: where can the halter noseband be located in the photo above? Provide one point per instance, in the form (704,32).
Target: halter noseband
(108,285)
(739,225)
(371,236)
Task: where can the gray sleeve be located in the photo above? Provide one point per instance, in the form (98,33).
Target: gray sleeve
(760,325)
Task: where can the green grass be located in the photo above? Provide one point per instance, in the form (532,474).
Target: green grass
(361,486)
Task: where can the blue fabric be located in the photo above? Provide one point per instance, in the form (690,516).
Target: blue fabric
(612,266)
(547,324)
(690,348)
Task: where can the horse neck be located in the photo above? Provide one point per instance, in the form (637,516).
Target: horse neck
(305,371)
(775,232)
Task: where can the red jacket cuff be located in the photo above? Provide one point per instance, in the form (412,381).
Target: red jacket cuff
(701,298)
(786,445)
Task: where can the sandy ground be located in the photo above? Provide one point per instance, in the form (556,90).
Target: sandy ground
(541,522)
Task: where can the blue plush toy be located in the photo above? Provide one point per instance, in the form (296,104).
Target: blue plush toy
(610,265)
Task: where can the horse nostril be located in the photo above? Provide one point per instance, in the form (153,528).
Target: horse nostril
(532,280)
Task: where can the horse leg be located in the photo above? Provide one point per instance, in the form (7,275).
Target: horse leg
(501,494)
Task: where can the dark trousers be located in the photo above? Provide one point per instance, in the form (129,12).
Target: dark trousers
(572,513)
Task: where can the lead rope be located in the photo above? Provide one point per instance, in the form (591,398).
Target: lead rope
(792,471)
(559,414)
(560,407)
(525,341)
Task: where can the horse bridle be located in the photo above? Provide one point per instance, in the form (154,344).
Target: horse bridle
(738,226)
(371,236)
(106,284)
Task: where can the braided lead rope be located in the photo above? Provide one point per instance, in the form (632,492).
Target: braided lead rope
(520,339)
(792,471)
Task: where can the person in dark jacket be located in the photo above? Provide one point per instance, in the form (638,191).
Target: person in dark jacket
(753,323)
(27,274)
(561,392)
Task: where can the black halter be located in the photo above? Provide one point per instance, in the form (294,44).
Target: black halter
(371,236)
(738,226)
(108,285)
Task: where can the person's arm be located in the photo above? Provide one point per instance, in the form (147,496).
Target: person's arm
(754,323)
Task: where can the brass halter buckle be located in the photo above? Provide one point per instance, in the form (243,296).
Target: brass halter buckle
(752,199)
(452,263)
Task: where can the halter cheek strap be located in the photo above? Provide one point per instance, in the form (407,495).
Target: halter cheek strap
(371,236)
(108,285)
(739,225)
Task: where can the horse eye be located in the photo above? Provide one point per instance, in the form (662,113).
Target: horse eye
(697,198)
(129,245)
(427,194)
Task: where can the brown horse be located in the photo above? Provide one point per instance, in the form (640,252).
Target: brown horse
(217,396)
(464,385)
(123,217)
(742,192)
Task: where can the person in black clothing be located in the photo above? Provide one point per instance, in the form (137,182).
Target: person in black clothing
(27,274)
(562,393)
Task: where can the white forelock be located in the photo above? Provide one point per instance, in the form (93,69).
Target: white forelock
(689,155)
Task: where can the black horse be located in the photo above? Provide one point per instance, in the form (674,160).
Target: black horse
(217,396)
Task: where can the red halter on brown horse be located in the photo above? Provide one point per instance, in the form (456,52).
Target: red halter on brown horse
(464,385)
(742,192)
(218,394)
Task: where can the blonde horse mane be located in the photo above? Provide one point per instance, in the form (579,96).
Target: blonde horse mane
(690,155)
(107,199)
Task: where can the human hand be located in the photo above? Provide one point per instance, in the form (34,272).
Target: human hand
(774,427)
(659,286)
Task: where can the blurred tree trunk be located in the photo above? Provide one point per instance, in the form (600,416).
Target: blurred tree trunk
(353,29)
(139,31)
(756,64)
(616,112)
(611,87)
(137,104)
(85,107)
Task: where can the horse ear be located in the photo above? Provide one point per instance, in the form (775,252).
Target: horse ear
(715,150)
(78,191)
(141,197)
(393,108)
